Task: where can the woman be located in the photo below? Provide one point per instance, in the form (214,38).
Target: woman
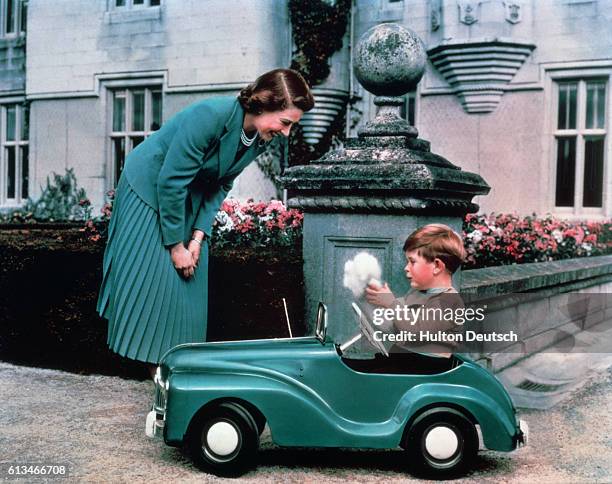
(155,287)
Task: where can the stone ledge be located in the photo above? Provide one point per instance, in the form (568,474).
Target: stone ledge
(121,15)
(499,280)
(12,41)
(478,70)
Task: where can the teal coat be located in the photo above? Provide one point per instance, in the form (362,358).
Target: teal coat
(185,169)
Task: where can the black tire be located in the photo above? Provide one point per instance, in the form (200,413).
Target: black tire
(224,440)
(442,443)
(260,422)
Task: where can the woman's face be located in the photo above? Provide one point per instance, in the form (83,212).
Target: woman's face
(275,123)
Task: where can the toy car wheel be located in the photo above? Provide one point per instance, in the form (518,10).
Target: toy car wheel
(444,443)
(224,440)
(260,423)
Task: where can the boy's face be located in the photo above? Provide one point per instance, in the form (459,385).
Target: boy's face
(419,271)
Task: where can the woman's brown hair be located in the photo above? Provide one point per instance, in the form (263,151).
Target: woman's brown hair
(275,91)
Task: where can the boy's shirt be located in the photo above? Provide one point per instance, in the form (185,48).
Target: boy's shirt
(426,322)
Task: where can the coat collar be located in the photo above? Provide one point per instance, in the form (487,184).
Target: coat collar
(229,141)
(228,144)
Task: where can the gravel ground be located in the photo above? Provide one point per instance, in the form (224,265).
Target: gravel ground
(95,425)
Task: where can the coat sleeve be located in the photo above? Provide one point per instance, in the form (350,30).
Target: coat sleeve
(210,206)
(183,160)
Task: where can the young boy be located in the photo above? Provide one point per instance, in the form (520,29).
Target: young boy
(434,252)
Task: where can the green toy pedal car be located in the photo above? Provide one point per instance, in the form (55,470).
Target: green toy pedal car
(217,398)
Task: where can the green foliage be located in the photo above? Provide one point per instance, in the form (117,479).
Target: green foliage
(61,200)
(318,27)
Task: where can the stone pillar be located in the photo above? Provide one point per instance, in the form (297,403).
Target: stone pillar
(372,193)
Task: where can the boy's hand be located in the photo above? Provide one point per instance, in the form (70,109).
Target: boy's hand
(379,296)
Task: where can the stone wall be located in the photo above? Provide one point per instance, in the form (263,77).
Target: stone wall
(71,44)
(549,302)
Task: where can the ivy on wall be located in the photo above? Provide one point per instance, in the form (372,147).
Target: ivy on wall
(318,27)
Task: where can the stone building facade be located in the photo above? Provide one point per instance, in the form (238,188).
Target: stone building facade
(517,91)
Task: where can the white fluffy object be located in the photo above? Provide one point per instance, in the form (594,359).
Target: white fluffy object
(360,271)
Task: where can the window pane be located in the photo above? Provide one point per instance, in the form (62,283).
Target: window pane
(11,113)
(562,106)
(411,109)
(138,111)
(136,140)
(567,105)
(25,123)
(138,2)
(10,16)
(593,172)
(596,98)
(119,3)
(156,101)
(154,3)
(119,156)
(118,113)
(25,172)
(24,16)
(571,121)
(10,161)
(566,172)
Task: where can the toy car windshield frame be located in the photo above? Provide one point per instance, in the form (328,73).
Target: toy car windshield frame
(321,326)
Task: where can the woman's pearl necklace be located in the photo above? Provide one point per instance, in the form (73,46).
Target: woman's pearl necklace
(246,141)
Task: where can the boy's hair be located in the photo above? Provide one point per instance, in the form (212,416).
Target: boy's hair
(437,241)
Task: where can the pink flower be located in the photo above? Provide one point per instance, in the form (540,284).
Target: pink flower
(274,205)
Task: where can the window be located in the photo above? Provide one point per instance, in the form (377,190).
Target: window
(136,113)
(580,136)
(14,174)
(12,17)
(408,109)
(135,3)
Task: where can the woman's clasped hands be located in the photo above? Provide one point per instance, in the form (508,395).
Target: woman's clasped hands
(186,259)
(182,260)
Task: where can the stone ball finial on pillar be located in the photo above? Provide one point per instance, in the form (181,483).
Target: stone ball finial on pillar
(389,61)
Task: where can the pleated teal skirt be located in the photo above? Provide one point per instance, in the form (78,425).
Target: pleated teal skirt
(149,307)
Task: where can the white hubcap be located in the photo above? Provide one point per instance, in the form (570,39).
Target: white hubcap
(222,438)
(441,443)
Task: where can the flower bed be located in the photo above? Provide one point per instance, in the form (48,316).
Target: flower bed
(256,224)
(503,239)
